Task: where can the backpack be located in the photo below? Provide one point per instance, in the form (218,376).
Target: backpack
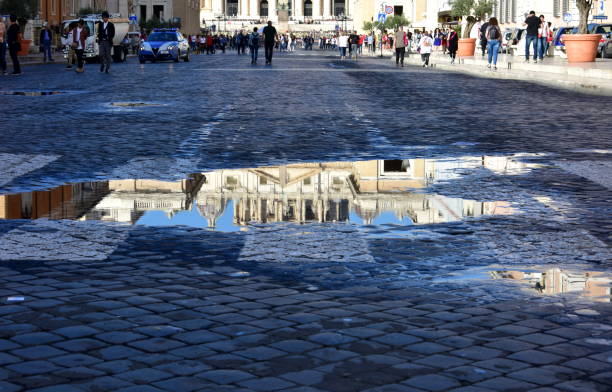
(254,40)
(494,32)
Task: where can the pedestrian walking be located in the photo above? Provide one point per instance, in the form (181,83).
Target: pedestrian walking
(425,48)
(254,45)
(354,42)
(45,39)
(482,32)
(342,45)
(106,34)
(79,36)
(493,36)
(400,46)
(13,37)
(2,46)
(270,36)
(542,38)
(66,41)
(531,35)
(453,45)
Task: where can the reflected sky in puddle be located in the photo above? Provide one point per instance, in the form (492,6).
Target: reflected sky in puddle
(376,192)
(545,281)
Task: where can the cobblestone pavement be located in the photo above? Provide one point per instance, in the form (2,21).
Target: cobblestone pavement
(484,265)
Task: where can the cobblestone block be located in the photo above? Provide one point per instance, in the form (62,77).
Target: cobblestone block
(442,361)
(397,339)
(37,352)
(143,376)
(156,345)
(477,353)
(535,357)
(432,382)
(266,384)
(186,384)
(224,376)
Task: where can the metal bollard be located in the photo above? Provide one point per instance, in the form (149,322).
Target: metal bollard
(509,65)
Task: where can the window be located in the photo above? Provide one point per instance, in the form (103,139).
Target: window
(158,12)
(231,181)
(308,8)
(143,13)
(263,181)
(337,181)
(232,7)
(338,7)
(398,10)
(263,8)
(557,8)
(307,181)
(396,166)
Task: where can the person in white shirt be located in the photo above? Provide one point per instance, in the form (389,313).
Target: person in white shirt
(343,45)
(426,46)
(542,37)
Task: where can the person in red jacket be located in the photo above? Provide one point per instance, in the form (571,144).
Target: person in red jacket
(210,44)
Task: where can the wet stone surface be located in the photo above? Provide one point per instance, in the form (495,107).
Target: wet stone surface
(341,252)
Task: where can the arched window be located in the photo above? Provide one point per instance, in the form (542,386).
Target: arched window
(263,8)
(232,7)
(308,8)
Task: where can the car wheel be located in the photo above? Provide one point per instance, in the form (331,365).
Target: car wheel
(607,51)
(142,61)
(186,59)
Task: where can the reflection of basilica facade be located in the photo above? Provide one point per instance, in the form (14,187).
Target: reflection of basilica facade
(362,191)
(597,285)
(328,192)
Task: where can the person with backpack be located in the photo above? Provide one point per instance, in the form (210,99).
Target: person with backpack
(254,45)
(425,48)
(493,36)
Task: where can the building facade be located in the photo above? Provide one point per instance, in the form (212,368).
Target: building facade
(185,12)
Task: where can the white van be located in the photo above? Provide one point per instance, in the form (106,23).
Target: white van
(120,49)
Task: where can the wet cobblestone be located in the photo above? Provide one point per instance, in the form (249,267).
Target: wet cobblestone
(93,305)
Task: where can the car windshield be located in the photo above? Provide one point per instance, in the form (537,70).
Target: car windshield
(603,29)
(162,37)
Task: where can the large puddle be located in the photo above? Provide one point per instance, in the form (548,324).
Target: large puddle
(372,192)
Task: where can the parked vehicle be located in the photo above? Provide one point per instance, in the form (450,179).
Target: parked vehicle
(605,43)
(559,46)
(92,52)
(164,44)
(516,42)
(506,40)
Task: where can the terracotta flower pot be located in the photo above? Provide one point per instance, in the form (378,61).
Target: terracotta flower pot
(581,48)
(25,47)
(467,47)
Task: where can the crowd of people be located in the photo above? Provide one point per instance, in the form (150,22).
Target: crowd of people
(538,35)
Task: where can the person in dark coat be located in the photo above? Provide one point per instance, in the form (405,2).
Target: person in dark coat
(13,38)
(453,44)
(46,38)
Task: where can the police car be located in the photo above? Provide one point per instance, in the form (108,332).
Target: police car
(164,44)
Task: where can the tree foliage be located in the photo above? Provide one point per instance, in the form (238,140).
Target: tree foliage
(395,21)
(368,26)
(21,8)
(473,11)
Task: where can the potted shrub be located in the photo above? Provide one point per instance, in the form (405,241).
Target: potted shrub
(582,47)
(472,11)
(25,43)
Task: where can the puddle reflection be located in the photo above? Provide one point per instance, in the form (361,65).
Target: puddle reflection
(596,285)
(363,192)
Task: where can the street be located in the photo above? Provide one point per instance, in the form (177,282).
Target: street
(316,225)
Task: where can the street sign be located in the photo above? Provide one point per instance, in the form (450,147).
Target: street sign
(337,28)
(388,10)
(382,17)
(600,17)
(133,19)
(567,17)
